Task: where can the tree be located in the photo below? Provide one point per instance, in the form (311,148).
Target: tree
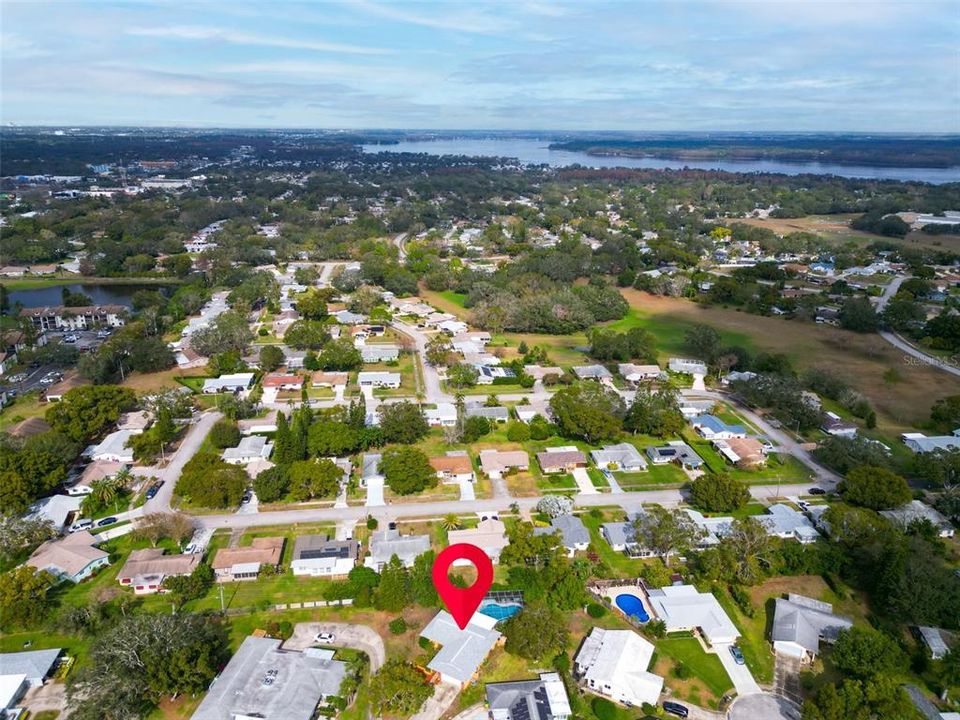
(422,589)
(703,341)
(863,653)
(207,481)
(24,601)
(747,550)
(340,355)
(144,658)
(332,438)
(20,534)
(843,454)
(857,314)
(86,411)
(271,484)
(407,470)
(314,478)
(517,431)
(229,331)
(462,375)
(655,412)
(665,532)
(155,526)
(555,505)
(945,413)
(475,427)
(451,521)
(402,422)
(718,492)
(398,689)
(31,468)
(190,587)
(588,411)
(271,357)
(307,335)
(438,350)
(224,434)
(312,304)
(880,697)
(225,363)
(536,632)
(393,591)
(877,488)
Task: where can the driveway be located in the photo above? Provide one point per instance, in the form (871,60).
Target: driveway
(740,674)
(763,706)
(443,696)
(49,696)
(466,491)
(584,483)
(358,637)
(375,492)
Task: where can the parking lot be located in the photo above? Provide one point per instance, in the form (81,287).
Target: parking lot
(24,379)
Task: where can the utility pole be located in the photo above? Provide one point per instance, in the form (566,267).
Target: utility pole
(222,608)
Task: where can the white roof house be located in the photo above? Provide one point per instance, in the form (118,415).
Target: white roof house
(914,511)
(444,414)
(614,663)
(251,448)
(387,543)
(114,447)
(622,456)
(379,353)
(235,382)
(379,379)
(637,373)
(55,509)
(684,608)
(687,366)
(920,443)
(489,534)
(462,652)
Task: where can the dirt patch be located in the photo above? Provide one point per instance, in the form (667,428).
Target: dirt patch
(150,382)
(810,585)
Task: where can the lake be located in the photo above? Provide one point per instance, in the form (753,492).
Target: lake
(537,152)
(100,294)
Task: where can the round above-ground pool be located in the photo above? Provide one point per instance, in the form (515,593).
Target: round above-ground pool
(632,605)
(500,611)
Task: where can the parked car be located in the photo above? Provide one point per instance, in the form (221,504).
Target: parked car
(325,638)
(817,491)
(18,378)
(103,334)
(675,708)
(70,339)
(106,521)
(48,380)
(737,655)
(153,490)
(81,525)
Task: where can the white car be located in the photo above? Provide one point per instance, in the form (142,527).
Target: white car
(70,339)
(81,525)
(325,638)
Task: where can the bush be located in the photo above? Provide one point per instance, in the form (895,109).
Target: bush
(596,611)
(372,523)
(742,599)
(681,671)
(518,432)
(263,332)
(398,626)
(604,709)
(224,434)
(424,643)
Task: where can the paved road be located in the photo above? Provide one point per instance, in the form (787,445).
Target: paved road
(901,344)
(400,242)
(763,706)
(358,637)
(433,393)
(169,474)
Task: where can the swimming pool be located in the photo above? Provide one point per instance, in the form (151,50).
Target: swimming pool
(632,606)
(500,611)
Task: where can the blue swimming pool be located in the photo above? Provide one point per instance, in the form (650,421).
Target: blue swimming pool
(500,611)
(631,605)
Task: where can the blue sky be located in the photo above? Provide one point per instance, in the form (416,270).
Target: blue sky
(719,65)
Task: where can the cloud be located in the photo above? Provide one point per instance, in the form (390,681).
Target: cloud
(443,17)
(18,46)
(235,37)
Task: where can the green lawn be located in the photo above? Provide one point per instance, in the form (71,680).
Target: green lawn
(705,667)
(785,467)
(620,565)
(753,639)
(454,297)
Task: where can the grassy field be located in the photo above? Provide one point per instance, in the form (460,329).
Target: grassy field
(708,680)
(34,283)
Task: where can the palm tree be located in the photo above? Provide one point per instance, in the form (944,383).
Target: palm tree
(122,478)
(451,522)
(104,491)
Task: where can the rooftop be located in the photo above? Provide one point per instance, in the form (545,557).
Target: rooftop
(462,651)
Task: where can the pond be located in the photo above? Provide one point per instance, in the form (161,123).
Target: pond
(107,294)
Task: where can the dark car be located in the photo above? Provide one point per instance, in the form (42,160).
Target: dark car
(817,491)
(675,709)
(153,490)
(737,655)
(106,521)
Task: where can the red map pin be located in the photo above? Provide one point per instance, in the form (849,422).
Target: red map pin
(462,602)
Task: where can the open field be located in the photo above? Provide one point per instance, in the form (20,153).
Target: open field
(861,359)
(151,382)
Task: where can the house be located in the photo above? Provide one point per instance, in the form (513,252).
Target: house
(293,359)
(387,543)
(454,467)
(622,456)
(145,570)
(20,671)
(686,366)
(675,451)
(743,452)
(920,443)
(538,372)
(526,413)
(713,428)
(488,374)
(262,680)
(933,638)
(345,317)
(244,563)
(561,459)
(114,447)
(497,414)
(801,623)
(283,320)
(692,408)
(444,415)
(737,376)
(60,317)
(917,511)
(318,556)
(490,534)
(573,533)
(137,421)
(543,699)
(614,663)
(329,379)
(462,652)
(95,471)
(452,327)
(833,424)
(14,270)
(495,463)
(683,608)
(379,353)
(622,537)
(265,424)
(234,383)
(638,373)
(73,557)
(56,509)
(784,522)
(378,379)
(250,449)
(592,372)
(283,381)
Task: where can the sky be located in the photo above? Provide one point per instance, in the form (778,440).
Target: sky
(525,64)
